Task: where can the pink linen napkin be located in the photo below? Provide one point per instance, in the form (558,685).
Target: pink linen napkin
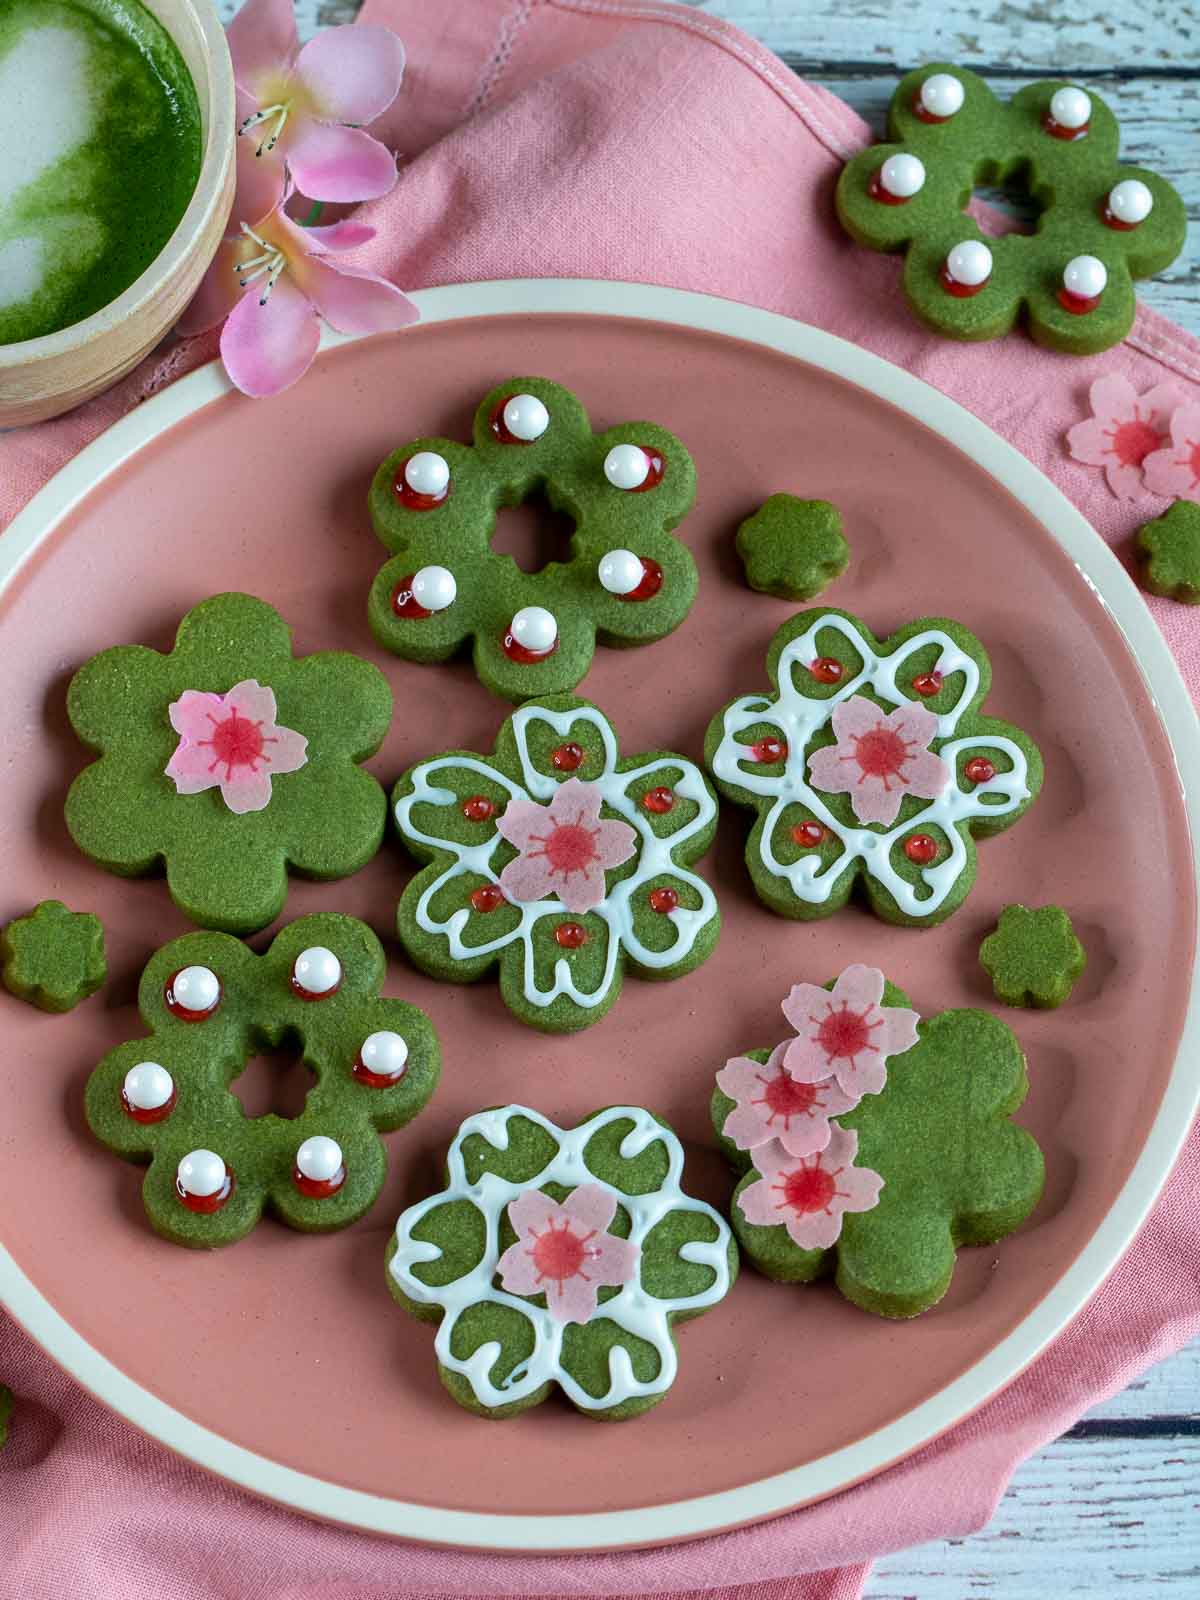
(646,142)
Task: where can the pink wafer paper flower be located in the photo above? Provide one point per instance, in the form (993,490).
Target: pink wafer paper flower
(772,1104)
(879,758)
(1174,472)
(293,104)
(233,742)
(564,1251)
(565,847)
(846,1033)
(1125,428)
(810,1194)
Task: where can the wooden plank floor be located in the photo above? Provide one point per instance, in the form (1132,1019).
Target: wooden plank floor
(1112,1509)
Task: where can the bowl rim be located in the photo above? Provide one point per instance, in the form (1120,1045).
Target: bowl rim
(206,198)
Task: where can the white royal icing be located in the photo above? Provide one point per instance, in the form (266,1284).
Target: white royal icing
(640,1314)
(617,908)
(799,718)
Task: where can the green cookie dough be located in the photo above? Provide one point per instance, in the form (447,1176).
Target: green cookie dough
(566,464)
(527,1202)
(793,548)
(988,142)
(562,927)
(1033,957)
(915,857)
(228,842)
(53,958)
(955,1170)
(261,1005)
(1169,548)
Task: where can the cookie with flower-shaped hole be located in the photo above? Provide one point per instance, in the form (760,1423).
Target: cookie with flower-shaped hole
(873,1144)
(228,762)
(871,763)
(560,1257)
(210,1004)
(558,860)
(623,578)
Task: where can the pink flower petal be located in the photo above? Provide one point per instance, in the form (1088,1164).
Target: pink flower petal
(814,1230)
(287,751)
(533,1212)
(926,775)
(521,820)
(247,790)
(758,1204)
(343,164)
(1167,475)
(1124,479)
(804,1058)
(354,301)
(828,773)
(612,1261)
(875,801)
(842,1149)
(266,348)
(262,36)
(914,723)
(1090,442)
(217,295)
(191,769)
(338,236)
(517,1270)
(193,714)
(859,1189)
(252,700)
(576,802)
(1158,405)
(854,717)
(859,987)
(353,72)
(571,1299)
(527,879)
(1112,398)
(581,891)
(742,1077)
(616,842)
(590,1207)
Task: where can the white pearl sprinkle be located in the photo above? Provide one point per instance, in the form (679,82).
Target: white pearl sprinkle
(427,473)
(620,571)
(1085,276)
(1071,107)
(1130,201)
(970,263)
(202,1173)
(317,971)
(196,989)
(627,466)
(903,175)
(434,588)
(526,417)
(148,1086)
(385,1054)
(535,629)
(319,1158)
(942,94)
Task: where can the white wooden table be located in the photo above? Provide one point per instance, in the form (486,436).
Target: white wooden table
(1113,1507)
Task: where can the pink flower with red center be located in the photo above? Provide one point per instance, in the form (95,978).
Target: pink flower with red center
(565,1251)
(809,1194)
(879,758)
(1174,472)
(846,1033)
(1125,428)
(772,1104)
(565,848)
(233,742)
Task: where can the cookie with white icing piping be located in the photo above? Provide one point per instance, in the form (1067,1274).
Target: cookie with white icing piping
(871,763)
(560,1257)
(558,860)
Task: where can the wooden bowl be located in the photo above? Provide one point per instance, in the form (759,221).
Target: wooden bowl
(41,378)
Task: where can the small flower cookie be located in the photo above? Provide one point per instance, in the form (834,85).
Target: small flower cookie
(872,1145)
(871,762)
(53,958)
(229,762)
(793,548)
(1033,957)
(560,1256)
(1169,550)
(210,1004)
(558,860)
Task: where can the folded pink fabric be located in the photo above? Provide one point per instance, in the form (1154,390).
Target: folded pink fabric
(645,142)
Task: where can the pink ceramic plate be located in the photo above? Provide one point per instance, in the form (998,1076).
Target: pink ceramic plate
(282,1362)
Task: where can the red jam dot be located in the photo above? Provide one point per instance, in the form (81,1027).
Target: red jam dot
(810,835)
(876,191)
(403,603)
(147,1118)
(826,669)
(922,112)
(961,291)
(571,935)
(927,684)
(523,657)
(769,749)
(659,801)
(500,430)
(809,1188)
(654,477)
(979,770)
(663,900)
(920,849)
(478,808)
(1058,130)
(652,574)
(568,758)
(179,1010)
(206,1205)
(1077,304)
(319,1188)
(488,897)
(410,498)
(1111,220)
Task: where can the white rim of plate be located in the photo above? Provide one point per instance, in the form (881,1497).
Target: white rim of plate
(706,1514)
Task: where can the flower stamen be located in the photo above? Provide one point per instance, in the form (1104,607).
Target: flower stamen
(279,113)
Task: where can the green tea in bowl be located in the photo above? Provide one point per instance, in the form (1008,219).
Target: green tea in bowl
(100,150)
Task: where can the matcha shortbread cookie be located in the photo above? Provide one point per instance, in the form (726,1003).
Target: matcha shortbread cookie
(229,762)
(560,1256)
(623,578)
(1169,553)
(871,762)
(210,1004)
(1033,956)
(558,860)
(872,1144)
(54,957)
(793,548)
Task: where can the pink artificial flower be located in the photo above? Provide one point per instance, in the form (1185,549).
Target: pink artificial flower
(565,848)
(879,758)
(809,1194)
(294,102)
(232,741)
(564,1252)
(772,1104)
(1122,431)
(1175,471)
(846,1034)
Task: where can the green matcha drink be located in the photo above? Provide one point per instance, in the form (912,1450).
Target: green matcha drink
(99,154)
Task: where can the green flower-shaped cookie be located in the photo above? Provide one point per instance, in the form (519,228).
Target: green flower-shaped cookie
(1033,957)
(560,1256)
(919,1166)
(1169,548)
(559,861)
(210,1004)
(1101,226)
(54,958)
(229,761)
(623,579)
(793,548)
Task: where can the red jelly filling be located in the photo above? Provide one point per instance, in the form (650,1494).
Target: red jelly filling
(1077,304)
(810,835)
(920,849)
(826,669)
(477,808)
(659,801)
(488,897)
(1057,130)
(403,603)
(571,935)
(663,900)
(877,191)
(961,291)
(177,1009)
(769,749)
(568,758)
(654,477)
(409,497)
(979,770)
(319,1188)
(499,428)
(154,1114)
(525,658)
(927,684)
(204,1205)
(652,574)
